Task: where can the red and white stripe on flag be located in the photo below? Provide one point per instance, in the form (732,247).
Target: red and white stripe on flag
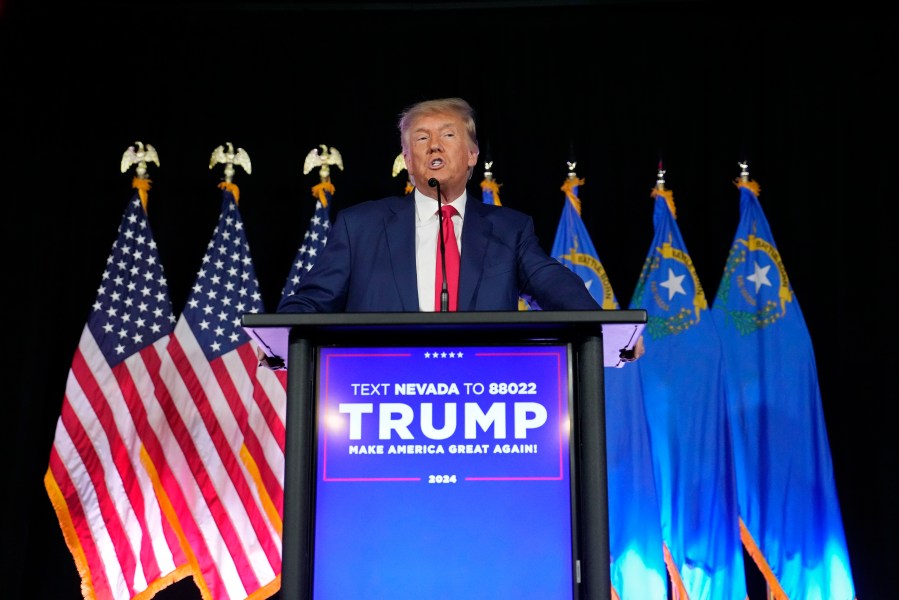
(227,465)
(119,536)
(101,477)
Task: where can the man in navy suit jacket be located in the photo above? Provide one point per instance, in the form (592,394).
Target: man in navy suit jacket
(379,256)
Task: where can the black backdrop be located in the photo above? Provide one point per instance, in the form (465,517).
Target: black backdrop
(805,98)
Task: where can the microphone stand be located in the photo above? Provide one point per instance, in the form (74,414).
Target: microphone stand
(444,291)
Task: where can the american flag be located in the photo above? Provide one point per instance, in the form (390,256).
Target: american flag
(312,245)
(101,478)
(314,241)
(228,464)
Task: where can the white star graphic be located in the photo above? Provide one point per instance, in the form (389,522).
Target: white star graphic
(674,283)
(760,276)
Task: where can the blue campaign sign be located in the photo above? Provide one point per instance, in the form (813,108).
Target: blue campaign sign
(443,473)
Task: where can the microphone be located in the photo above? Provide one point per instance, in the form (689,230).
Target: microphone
(444,291)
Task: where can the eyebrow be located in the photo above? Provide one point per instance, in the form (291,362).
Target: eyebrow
(447,125)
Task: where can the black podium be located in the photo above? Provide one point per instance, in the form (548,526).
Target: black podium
(593,339)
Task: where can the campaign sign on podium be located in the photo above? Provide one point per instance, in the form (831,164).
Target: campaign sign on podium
(446,456)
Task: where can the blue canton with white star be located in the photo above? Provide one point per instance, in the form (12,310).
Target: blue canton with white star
(132,308)
(313,243)
(226,287)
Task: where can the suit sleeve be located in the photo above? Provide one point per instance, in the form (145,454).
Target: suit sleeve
(547,281)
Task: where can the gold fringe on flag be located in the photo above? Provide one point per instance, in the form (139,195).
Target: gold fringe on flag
(568,188)
(493,186)
(231,187)
(192,568)
(319,192)
(679,591)
(268,505)
(775,591)
(142,186)
(750,184)
(669,199)
(69,533)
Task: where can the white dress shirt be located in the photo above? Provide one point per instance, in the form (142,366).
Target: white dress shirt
(426,231)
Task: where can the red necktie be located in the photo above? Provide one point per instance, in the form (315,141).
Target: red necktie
(452,261)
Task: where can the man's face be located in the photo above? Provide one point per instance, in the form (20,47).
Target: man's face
(439,147)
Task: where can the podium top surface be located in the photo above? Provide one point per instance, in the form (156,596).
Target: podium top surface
(619,329)
(444,319)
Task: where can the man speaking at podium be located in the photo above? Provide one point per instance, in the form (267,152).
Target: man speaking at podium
(388,255)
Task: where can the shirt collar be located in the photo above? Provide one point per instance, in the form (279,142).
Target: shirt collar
(426,208)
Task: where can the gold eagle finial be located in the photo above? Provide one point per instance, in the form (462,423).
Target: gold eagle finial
(399,164)
(229,158)
(324,160)
(139,156)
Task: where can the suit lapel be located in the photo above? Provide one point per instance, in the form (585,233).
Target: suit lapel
(400,229)
(475,233)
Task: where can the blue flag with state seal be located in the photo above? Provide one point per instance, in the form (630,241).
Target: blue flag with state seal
(791,523)
(573,247)
(684,393)
(637,564)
